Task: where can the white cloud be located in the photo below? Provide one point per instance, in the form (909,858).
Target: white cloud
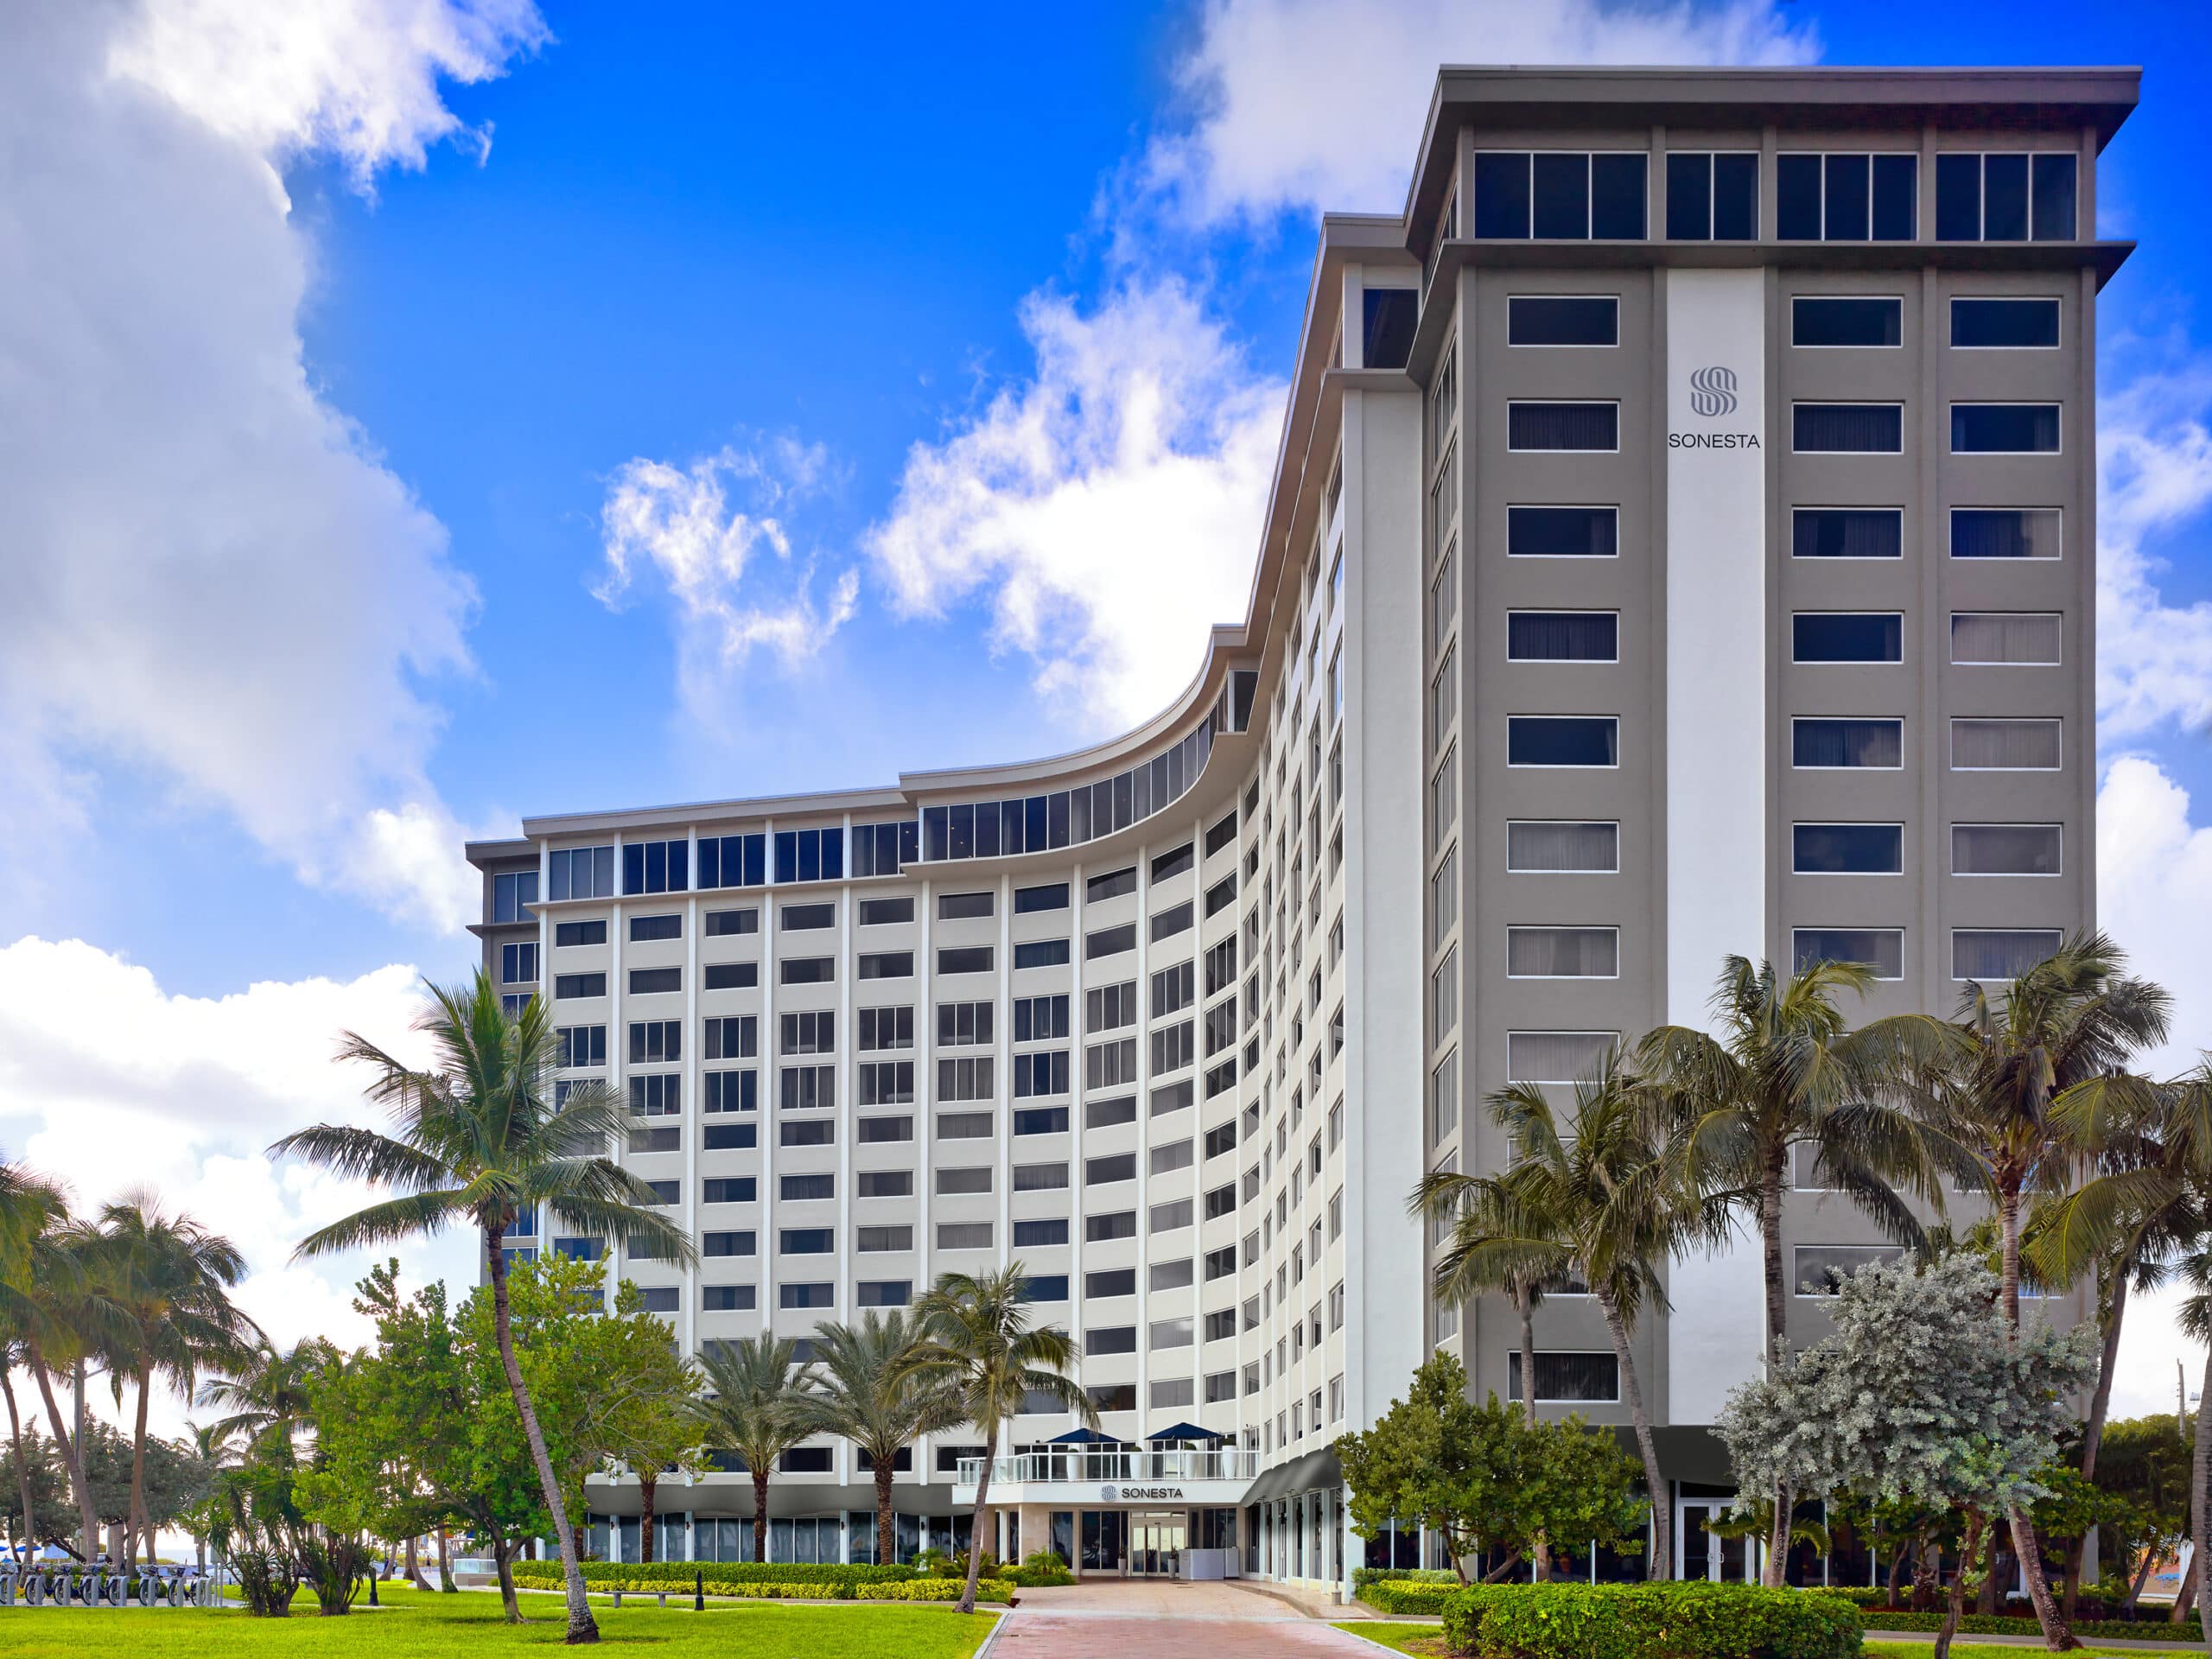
(1316,103)
(2154,472)
(109,1082)
(1134,466)
(213,580)
(678,523)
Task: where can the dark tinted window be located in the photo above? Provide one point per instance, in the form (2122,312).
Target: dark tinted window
(1583,427)
(1846,636)
(1797,198)
(1958,198)
(1389,317)
(2052,203)
(2003,322)
(2004,197)
(1563,320)
(1562,196)
(1562,532)
(2004,428)
(1844,217)
(973,959)
(1041,953)
(1896,201)
(1563,741)
(2004,532)
(1113,1282)
(1562,636)
(1616,193)
(1852,322)
(1054,896)
(1846,532)
(1501,193)
(1847,429)
(1847,743)
(1689,197)
(1735,198)
(1846,848)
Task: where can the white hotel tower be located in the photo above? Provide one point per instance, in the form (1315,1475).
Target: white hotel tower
(1681,542)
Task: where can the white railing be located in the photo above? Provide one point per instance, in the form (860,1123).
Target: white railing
(1122,1468)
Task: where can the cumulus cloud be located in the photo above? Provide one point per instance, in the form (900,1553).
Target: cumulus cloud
(212,581)
(1304,104)
(677,524)
(109,1081)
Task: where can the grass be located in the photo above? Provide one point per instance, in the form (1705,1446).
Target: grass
(1424,1640)
(412,1626)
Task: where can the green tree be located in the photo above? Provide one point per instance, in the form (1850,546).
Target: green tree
(751,1408)
(479,1139)
(979,1344)
(56,1302)
(871,1392)
(1785,1072)
(1923,1395)
(639,1406)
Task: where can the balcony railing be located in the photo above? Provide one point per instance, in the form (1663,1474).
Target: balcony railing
(1122,1468)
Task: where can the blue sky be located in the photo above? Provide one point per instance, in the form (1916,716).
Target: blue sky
(537,408)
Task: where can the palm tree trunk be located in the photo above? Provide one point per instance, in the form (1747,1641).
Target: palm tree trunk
(648,1486)
(1956,1605)
(1778,1332)
(1662,1540)
(886,1523)
(140,1519)
(760,1512)
(23,1466)
(2200,1465)
(2093,1431)
(1522,1305)
(2055,1635)
(72,1456)
(582,1627)
(414,1566)
(982,1512)
(2008,1217)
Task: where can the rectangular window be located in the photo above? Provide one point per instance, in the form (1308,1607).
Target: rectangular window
(1176,919)
(1221,894)
(964,906)
(1846,636)
(2004,532)
(881,912)
(2005,744)
(1044,1018)
(1443,997)
(727,1190)
(886,1083)
(964,1024)
(1562,741)
(807,970)
(1560,196)
(1824,743)
(1113,884)
(963,1126)
(1169,1333)
(882,1028)
(1575,1378)
(963,1182)
(656,1042)
(733,1091)
(1556,1056)
(887,965)
(1040,1235)
(1109,941)
(1043,1072)
(727,1299)
(568,934)
(714,1244)
(799,1188)
(1562,532)
(1111,1281)
(1107,1065)
(1846,848)
(807,1295)
(518,964)
(733,975)
(657,867)
(963,1235)
(1579,428)
(1562,636)
(1999,953)
(1029,901)
(1108,1113)
(2005,849)
(1172,1216)
(512,895)
(646,929)
(2021,637)
(884,1293)
(1562,319)
(806,919)
(1171,864)
(1985,324)
(1223,833)
(881,1131)
(1846,532)
(580,873)
(1041,953)
(577,985)
(2005,429)
(1847,197)
(886,1183)
(1388,317)
(967,959)
(651,981)
(722,924)
(1562,953)
(1173,1097)
(733,860)
(1820,1269)
(810,854)
(808,1088)
(1713,197)
(1847,429)
(819,1132)
(1098,1230)
(579,1046)
(1039,1178)
(1173,1046)
(1826,320)
(2007,197)
(1881,949)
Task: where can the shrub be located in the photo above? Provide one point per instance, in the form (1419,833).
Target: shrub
(1415,1597)
(1363,1576)
(935,1590)
(2151,1627)
(1039,1567)
(1685,1621)
(825,1580)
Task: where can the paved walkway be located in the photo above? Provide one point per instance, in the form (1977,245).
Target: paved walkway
(1142,1618)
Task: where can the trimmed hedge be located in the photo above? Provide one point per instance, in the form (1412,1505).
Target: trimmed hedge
(2187,1634)
(1363,1576)
(1410,1598)
(937,1590)
(1630,1621)
(821,1582)
(2093,1603)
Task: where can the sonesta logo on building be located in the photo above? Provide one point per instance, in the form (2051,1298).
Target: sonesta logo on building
(1139,1494)
(1712,394)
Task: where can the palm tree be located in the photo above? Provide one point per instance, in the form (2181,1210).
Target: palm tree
(1784,1072)
(980,1343)
(267,1396)
(1496,1245)
(870,1393)
(751,1408)
(171,1278)
(478,1138)
(2070,1020)
(1604,1204)
(57,1300)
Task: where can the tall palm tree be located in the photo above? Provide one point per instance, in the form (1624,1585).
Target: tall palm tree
(1603,1201)
(870,1393)
(171,1278)
(2070,1019)
(478,1139)
(266,1395)
(980,1343)
(1496,1245)
(1785,1072)
(67,1321)
(751,1408)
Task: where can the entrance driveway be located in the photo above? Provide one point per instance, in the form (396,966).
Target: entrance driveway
(1153,1618)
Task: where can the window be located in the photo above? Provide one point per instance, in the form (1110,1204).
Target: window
(811,1032)
(2005,744)
(568,934)
(1881,949)
(887,965)
(1173,1097)
(886,1184)
(1221,894)
(1846,321)
(1109,941)
(580,873)
(1846,636)
(1556,1056)
(1113,884)
(882,848)
(1038,1235)
(806,1295)
(2004,428)
(1171,1216)
(513,894)
(731,1137)
(1045,1288)
(728,1190)
(1042,1019)
(964,906)
(733,975)
(1098,1230)
(1388,317)
(733,860)
(1583,429)
(819,1133)
(2005,198)
(579,1046)
(1173,1046)
(722,924)
(1029,901)
(885,1293)
(808,1088)
(1846,532)
(799,1188)
(518,964)
(1562,532)
(1173,988)
(1169,1333)
(579,985)
(1107,1065)
(733,1091)
(1847,429)
(880,913)
(963,1025)
(804,918)
(2005,849)
(1038,1178)
(657,865)
(1983,324)
(1569,1377)
(1221,966)
(963,1235)
(1713,197)
(2030,637)
(646,929)
(963,1182)
(1176,919)
(1043,1072)
(1559,195)
(1223,833)
(883,1131)
(1041,953)
(963,1126)
(1999,953)
(1174,863)
(1562,319)
(656,1042)
(968,959)
(1847,197)
(810,855)
(650,982)
(1562,953)
(1443,997)
(886,1083)
(1221,1078)
(1820,1269)
(2004,532)
(1822,744)
(1107,1113)
(1562,741)
(1846,848)
(727,1299)
(1541,845)
(1562,636)
(807,970)
(881,1028)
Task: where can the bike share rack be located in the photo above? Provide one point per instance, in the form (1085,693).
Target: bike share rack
(68,1585)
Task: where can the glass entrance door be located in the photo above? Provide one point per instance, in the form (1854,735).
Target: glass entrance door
(1156,1542)
(1707,1554)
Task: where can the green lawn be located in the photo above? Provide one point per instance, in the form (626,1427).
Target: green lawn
(411,1625)
(1425,1641)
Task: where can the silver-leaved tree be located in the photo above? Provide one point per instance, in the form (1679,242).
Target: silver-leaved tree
(1918,1397)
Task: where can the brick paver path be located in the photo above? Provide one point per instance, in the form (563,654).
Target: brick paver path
(1147,1619)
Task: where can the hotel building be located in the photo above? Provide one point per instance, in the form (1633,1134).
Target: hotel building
(1680,543)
